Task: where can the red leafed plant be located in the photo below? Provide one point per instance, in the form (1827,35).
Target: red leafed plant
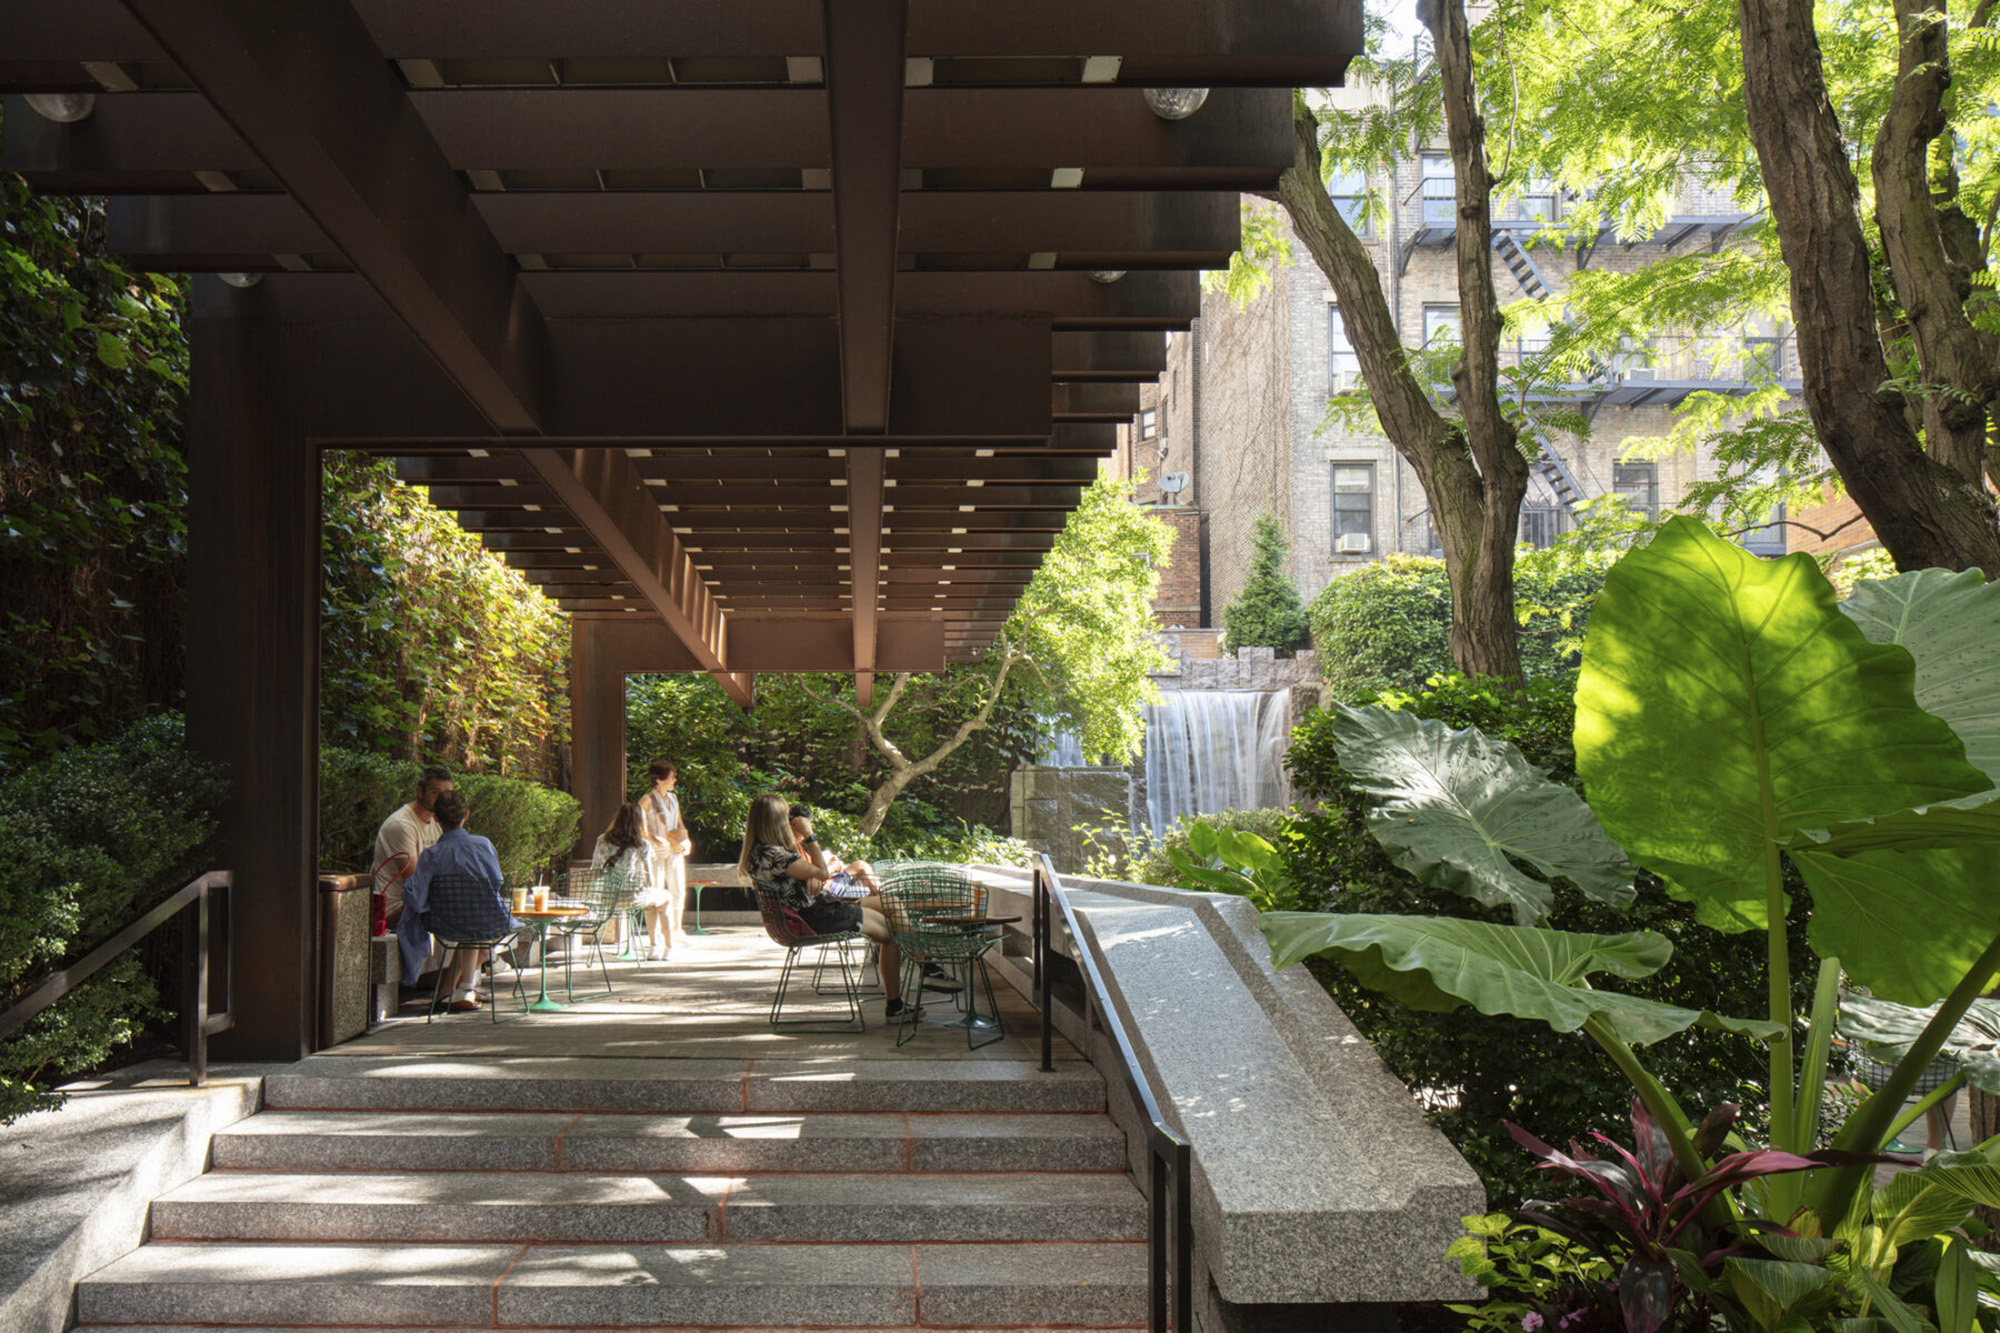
(1650,1221)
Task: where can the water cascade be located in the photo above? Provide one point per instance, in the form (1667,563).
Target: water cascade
(1210,750)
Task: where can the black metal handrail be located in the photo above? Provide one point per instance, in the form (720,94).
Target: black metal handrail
(1171,1159)
(197,1024)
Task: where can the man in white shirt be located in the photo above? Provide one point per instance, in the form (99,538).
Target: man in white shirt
(405,835)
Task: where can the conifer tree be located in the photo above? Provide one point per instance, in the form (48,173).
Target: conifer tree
(1268,612)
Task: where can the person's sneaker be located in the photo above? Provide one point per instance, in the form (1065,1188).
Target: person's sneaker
(466,1003)
(937,979)
(895,1008)
(656,955)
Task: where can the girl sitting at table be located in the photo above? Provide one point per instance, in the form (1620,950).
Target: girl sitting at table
(625,856)
(773,866)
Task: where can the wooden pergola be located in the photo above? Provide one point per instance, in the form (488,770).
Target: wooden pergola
(763,335)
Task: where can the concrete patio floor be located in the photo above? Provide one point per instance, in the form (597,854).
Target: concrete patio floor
(712,1003)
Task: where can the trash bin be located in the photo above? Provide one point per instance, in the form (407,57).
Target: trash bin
(343,958)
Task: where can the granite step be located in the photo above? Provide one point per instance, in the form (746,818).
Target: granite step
(716,1087)
(573,1207)
(843,1286)
(683,1144)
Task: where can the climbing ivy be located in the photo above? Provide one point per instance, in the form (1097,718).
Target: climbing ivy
(93,491)
(431,647)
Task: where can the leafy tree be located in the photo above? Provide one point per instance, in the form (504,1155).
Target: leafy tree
(1268,612)
(1470,459)
(1076,645)
(1861,131)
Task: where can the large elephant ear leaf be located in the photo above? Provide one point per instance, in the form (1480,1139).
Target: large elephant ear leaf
(1439,963)
(1950,621)
(1907,925)
(1458,808)
(1725,703)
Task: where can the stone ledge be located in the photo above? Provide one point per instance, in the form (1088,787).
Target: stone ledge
(76,1183)
(1318,1178)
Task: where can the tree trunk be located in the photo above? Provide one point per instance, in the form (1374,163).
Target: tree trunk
(1924,512)
(1482,642)
(1930,282)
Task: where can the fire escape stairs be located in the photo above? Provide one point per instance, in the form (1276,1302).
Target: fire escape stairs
(1548,464)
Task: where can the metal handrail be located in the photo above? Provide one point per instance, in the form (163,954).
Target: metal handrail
(197,1024)
(1171,1159)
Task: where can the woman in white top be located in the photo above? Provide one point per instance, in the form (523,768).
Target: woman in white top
(668,836)
(625,857)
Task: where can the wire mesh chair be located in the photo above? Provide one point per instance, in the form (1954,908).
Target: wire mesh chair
(936,914)
(607,894)
(466,912)
(787,928)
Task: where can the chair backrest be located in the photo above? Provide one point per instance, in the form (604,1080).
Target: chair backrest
(607,892)
(917,892)
(784,925)
(465,908)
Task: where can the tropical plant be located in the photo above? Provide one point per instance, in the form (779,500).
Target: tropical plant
(1226,860)
(1730,717)
(1267,613)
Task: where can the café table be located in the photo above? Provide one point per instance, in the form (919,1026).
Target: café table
(541,919)
(972,925)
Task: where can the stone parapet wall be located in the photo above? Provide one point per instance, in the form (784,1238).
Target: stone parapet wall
(1249,669)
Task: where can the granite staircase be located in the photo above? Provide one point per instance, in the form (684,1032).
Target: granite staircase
(551,1193)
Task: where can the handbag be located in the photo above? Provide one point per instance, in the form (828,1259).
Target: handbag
(678,842)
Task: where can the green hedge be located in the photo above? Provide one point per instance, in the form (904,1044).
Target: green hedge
(90,838)
(530,824)
(1388,625)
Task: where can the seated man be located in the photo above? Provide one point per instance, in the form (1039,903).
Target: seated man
(853,880)
(405,835)
(462,859)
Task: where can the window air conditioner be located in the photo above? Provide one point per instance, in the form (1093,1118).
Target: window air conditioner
(1638,374)
(1352,543)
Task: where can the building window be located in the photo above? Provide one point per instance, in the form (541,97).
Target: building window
(1638,485)
(1149,424)
(1769,539)
(1440,321)
(1343,366)
(1535,203)
(1349,191)
(1763,354)
(1353,508)
(1542,524)
(1440,192)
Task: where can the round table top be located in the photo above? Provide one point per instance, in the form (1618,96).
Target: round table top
(549,913)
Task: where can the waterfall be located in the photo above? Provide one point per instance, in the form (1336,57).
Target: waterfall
(1210,750)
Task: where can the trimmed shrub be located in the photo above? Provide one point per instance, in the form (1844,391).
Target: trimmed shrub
(1473,1071)
(530,824)
(1388,625)
(1154,867)
(90,838)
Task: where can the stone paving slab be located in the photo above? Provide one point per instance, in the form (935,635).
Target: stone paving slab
(387,1140)
(883,1085)
(297,1284)
(431,1206)
(758,1286)
(1047,1142)
(992,1207)
(877,1141)
(1088,1285)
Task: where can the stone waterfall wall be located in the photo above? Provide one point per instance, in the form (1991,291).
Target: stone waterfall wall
(1048,803)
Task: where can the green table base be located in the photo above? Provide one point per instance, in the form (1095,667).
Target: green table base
(542,1004)
(696,929)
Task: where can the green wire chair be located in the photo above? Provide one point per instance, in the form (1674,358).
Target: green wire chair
(608,896)
(933,910)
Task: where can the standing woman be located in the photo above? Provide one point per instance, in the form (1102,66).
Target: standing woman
(668,836)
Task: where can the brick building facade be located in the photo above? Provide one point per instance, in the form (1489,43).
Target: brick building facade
(1242,410)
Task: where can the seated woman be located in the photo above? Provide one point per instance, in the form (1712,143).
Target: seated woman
(773,865)
(625,856)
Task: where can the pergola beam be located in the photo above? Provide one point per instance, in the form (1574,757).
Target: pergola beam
(326,114)
(864,106)
(864,513)
(600,487)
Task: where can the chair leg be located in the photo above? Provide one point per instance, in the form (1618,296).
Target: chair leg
(437,987)
(912,983)
(854,1021)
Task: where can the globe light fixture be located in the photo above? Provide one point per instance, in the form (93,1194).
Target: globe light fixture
(1175,103)
(243,282)
(1106,276)
(62,108)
